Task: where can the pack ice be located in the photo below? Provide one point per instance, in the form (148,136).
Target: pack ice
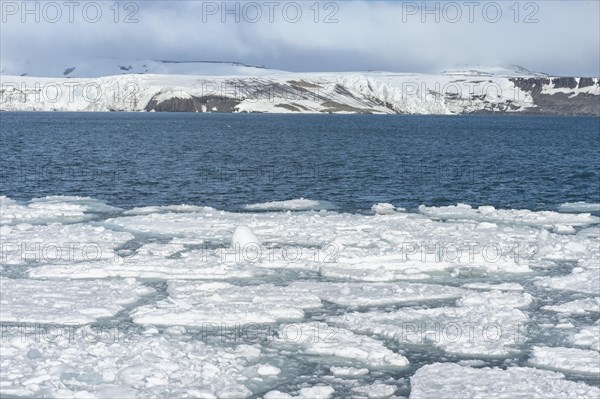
(296,299)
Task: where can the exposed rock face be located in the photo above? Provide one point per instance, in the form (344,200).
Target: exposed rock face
(193,104)
(570,102)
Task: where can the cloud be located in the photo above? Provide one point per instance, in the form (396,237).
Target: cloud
(558,37)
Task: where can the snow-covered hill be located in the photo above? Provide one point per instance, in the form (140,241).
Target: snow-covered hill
(233,87)
(99,67)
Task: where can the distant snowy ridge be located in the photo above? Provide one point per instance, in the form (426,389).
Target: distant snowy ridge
(241,88)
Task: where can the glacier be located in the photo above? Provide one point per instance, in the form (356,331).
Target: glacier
(235,88)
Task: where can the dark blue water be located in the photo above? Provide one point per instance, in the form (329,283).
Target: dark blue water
(229,160)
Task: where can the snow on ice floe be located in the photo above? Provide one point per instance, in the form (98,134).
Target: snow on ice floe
(447,380)
(35,301)
(340,371)
(385,208)
(588,336)
(375,391)
(59,243)
(326,342)
(341,246)
(147,210)
(52,209)
(399,246)
(579,207)
(314,392)
(496,286)
(487,324)
(566,359)
(578,306)
(546,219)
(156,261)
(377,294)
(195,304)
(580,280)
(137,363)
(244,236)
(300,204)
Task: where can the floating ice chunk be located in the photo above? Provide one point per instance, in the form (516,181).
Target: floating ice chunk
(483,328)
(159,249)
(316,392)
(51,209)
(348,371)
(497,298)
(267,370)
(579,207)
(63,302)
(149,263)
(381,268)
(243,236)
(377,294)
(386,209)
(578,306)
(147,210)
(562,229)
(586,281)
(590,232)
(277,395)
(58,243)
(447,380)
(566,359)
(375,391)
(132,364)
(291,205)
(195,304)
(491,286)
(588,336)
(526,217)
(322,340)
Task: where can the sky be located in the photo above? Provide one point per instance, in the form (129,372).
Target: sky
(556,37)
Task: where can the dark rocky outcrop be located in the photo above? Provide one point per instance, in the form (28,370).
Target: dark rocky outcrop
(193,104)
(559,103)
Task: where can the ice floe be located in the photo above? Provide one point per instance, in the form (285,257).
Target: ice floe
(588,336)
(32,301)
(192,265)
(135,364)
(339,371)
(547,219)
(386,209)
(578,306)
(566,359)
(324,341)
(300,204)
(315,392)
(580,280)
(376,294)
(354,278)
(491,286)
(199,304)
(579,207)
(59,243)
(447,380)
(487,324)
(53,209)
(375,391)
